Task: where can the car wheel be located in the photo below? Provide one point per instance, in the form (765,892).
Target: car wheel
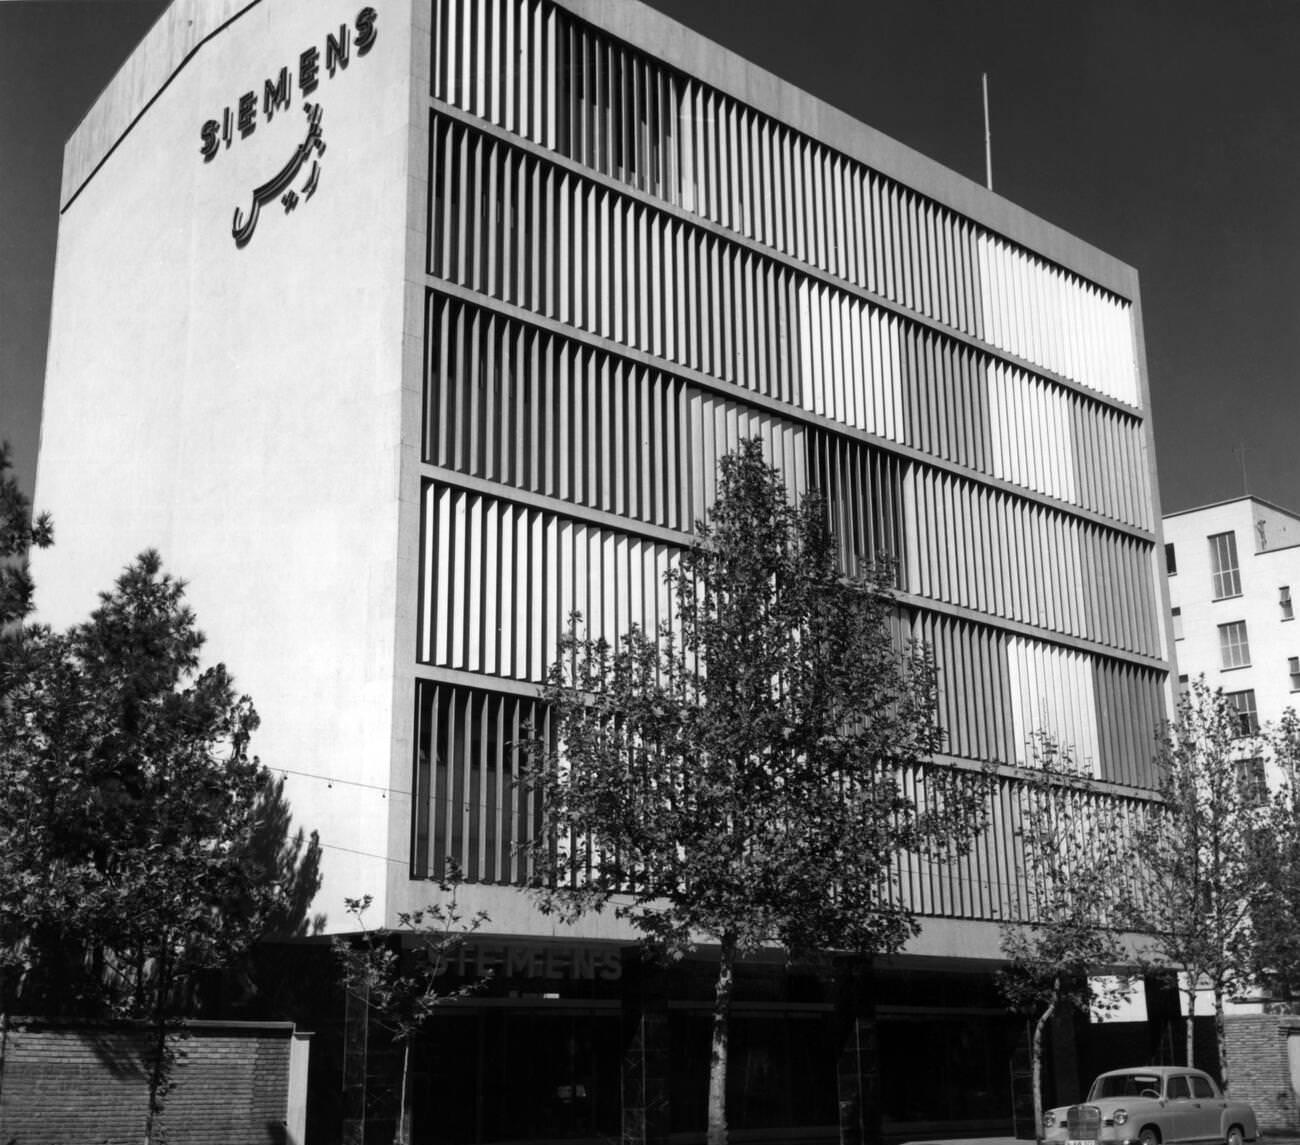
(1236,1136)
(1150,1135)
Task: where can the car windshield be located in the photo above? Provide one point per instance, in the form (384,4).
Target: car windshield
(1124,1085)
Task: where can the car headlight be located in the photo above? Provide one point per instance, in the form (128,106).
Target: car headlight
(1049,1120)
(1121,1116)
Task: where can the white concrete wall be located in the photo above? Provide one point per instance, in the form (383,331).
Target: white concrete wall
(1274,528)
(1273,639)
(240,409)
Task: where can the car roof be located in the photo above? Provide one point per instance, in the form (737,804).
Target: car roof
(1158,1070)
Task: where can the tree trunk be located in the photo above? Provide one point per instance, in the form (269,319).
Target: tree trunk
(717,1131)
(160,1069)
(1221,1036)
(1036,1058)
(403,1134)
(158,1072)
(4,1036)
(1191,1019)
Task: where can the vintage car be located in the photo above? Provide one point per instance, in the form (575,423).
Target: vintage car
(1151,1106)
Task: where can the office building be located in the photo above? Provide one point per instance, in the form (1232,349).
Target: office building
(404,330)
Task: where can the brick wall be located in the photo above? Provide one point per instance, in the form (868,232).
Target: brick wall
(81,1085)
(1259,1069)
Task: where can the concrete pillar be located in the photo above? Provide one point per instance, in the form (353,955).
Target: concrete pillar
(858,1066)
(646,1092)
(1022,1086)
(1165,1030)
(1062,1052)
(356,1023)
(295,1115)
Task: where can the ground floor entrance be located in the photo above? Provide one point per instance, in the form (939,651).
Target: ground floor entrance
(563,1043)
(558,1074)
(587,1042)
(508,1074)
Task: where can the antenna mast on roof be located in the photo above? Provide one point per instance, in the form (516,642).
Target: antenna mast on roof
(988,138)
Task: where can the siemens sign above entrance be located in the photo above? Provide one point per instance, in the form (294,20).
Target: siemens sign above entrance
(241,120)
(521,959)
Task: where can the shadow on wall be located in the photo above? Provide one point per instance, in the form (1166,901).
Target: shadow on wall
(232,1082)
(120,1053)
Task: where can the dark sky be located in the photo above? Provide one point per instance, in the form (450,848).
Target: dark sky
(1166,132)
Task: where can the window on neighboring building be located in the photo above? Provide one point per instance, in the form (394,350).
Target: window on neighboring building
(1223,564)
(1233,644)
(1293,666)
(1253,779)
(1178,623)
(1247,716)
(1284,602)
(1171,560)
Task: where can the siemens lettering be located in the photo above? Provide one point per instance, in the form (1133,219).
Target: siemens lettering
(240,119)
(516,959)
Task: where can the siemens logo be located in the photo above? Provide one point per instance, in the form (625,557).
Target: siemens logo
(240,119)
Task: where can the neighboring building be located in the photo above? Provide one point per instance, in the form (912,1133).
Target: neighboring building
(1233,568)
(403,330)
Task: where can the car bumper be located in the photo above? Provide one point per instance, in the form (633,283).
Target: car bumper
(1109,1135)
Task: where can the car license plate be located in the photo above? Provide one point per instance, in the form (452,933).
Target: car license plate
(1081,1141)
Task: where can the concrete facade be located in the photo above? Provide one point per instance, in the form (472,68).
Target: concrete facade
(265,469)
(275,433)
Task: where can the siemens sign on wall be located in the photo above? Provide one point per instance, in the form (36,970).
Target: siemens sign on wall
(240,119)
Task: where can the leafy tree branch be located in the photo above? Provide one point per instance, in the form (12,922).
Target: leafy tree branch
(744,775)
(398,973)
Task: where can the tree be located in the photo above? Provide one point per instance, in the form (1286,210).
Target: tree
(1073,862)
(1199,871)
(289,861)
(129,806)
(18,533)
(395,972)
(1275,924)
(738,776)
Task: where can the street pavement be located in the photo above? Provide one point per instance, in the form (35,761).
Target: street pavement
(972,1141)
(1270,1138)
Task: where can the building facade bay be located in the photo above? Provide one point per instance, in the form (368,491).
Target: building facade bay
(1231,568)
